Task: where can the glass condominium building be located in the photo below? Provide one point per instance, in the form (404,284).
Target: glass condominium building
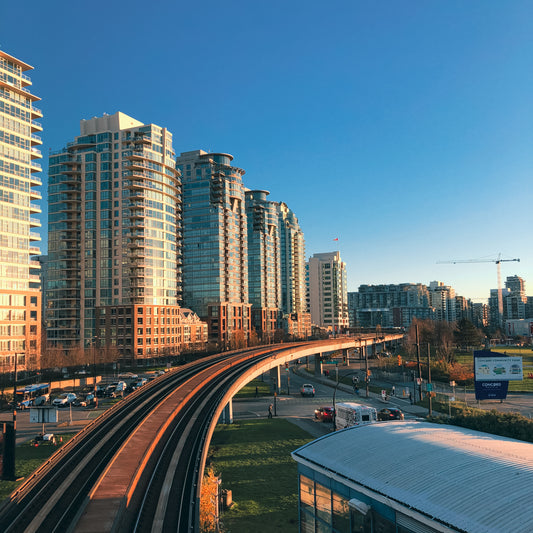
(20,288)
(114,238)
(215,260)
(264,265)
(296,319)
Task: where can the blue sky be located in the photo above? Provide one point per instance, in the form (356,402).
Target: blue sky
(404,129)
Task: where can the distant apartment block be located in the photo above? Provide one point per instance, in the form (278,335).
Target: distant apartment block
(114,265)
(389,305)
(494,314)
(215,244)
(480,315)
(327,291)
(20,290)
(442,299)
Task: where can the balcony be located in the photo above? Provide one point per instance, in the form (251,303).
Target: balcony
(35,139)
(35,167)
(34,250)
(35,208)
(36,112)
(36,154)
(35,194)
(137,243)
(35,181)
(34,236)
(72,146)
(36,126)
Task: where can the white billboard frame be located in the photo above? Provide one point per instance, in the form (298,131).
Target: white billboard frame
(498,369)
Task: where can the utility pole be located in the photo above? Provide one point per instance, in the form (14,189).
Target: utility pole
(367,376)
(418,364)
(430,392)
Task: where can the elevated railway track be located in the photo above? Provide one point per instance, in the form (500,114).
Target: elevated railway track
(139,466)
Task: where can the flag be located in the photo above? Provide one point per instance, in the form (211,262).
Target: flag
(336,239)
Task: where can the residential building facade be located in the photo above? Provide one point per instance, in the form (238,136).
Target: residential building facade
(515,303)
(20,290)
(327,291)
(215,245)
(296,320)
(264,265)
(389,305)
(114,238)
(442,299)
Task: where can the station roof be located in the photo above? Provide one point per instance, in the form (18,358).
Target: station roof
(463,479)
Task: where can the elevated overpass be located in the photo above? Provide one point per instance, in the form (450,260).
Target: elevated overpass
(141,463)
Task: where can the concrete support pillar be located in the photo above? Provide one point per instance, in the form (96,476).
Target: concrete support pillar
(226,417)
(275,379)
(318,364)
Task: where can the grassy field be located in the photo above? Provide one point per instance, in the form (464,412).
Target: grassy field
(527,360)
(253,459)
(248,391)
(28,458)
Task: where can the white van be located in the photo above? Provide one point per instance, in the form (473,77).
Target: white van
(354,414)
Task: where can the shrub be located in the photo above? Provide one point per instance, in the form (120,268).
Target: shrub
(511,425)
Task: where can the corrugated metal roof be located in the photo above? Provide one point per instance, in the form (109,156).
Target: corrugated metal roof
(470,480)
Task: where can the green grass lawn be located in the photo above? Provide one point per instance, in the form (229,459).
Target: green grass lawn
(28,458)
(253,459)
(248,391)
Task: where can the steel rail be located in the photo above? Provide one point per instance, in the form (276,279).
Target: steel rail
(55,491)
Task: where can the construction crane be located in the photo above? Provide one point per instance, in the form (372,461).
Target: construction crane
(498,262)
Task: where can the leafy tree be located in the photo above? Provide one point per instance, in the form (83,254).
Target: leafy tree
(444,341)
(209,502)
(467,334)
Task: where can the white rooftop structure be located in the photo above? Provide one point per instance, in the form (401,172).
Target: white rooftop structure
(453,478)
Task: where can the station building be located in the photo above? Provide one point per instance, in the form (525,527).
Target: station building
(407,477)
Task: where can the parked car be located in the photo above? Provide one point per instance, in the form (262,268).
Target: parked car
(390,413)
(307,390)
(110,390)
(139,383)
(324,414)
(65,399)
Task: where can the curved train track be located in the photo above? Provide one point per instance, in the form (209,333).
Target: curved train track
(163,491)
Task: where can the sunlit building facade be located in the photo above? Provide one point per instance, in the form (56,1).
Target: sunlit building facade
(295,317)
(264,267)
(328,295)
(215,245)
(20,291)
(115,239)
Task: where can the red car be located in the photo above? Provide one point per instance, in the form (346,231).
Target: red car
(390,413)
(324,414)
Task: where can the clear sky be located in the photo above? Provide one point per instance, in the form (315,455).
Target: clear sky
(404,129)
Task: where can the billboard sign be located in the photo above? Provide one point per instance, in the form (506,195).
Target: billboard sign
(498,368)
(42,415)
(491,374)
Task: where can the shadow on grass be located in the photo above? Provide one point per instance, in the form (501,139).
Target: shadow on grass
(253,459)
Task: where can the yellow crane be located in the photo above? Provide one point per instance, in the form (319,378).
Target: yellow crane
(498,260)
